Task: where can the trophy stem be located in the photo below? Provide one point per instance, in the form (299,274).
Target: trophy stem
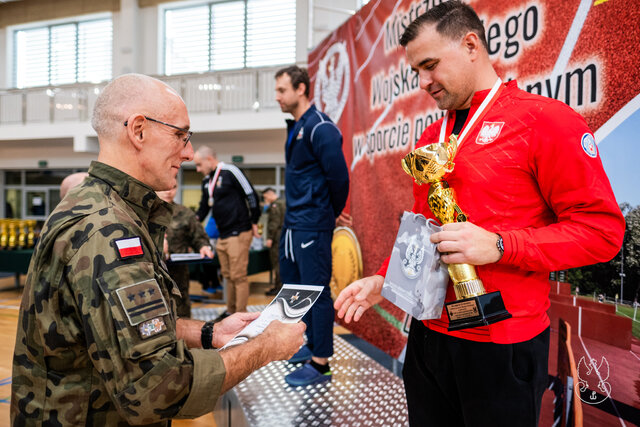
(466,283)
(469,289)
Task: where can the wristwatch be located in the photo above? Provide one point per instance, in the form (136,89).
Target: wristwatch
(206,335)
(500,245)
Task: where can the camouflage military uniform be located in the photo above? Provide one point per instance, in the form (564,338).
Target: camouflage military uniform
(275,222)
(184,232)
(96,341)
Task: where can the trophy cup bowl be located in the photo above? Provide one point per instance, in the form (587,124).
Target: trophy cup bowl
(473,306)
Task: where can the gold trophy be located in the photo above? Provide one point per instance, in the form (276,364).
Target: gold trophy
(4,233)
(13,235)
(31,224)
(473,307)
(22,236)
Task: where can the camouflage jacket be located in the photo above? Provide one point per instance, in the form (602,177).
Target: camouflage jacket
(185,231)
(96,341)
(275,220)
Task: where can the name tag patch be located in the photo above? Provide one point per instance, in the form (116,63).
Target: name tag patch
(142,301)
(152,327)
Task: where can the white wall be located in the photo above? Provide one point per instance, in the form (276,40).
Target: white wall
(126,35)
(327,15)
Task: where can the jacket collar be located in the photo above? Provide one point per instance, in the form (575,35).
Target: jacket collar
(139,196)
(480,95)
(311,110)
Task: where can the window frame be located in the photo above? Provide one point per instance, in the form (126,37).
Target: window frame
(11,44)
(162,28)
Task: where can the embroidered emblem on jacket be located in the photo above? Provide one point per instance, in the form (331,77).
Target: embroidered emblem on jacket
(128,248)
(489,132)
(589,145)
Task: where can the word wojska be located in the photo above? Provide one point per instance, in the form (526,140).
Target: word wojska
(386,88)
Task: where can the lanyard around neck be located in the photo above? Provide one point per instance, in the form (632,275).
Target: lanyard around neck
(480,113)
(213,181)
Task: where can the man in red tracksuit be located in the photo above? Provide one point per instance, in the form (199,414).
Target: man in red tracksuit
(528,176)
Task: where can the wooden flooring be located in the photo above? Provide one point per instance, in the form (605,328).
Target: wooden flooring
(10,302)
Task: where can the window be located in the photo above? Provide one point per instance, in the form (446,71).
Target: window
(63,53)
(31,194)
(229,35)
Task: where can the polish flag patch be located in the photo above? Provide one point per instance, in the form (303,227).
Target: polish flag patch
(128,248)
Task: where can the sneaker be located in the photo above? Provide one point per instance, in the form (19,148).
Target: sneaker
(212,290)
(306,375)
(302,356)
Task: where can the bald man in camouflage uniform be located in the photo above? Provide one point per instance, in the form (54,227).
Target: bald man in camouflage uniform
(98,340)
(184,232)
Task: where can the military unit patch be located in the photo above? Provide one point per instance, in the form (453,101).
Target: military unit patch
(128,248)
(142,301)
(152,327)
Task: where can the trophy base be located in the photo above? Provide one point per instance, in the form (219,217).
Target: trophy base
(476,311)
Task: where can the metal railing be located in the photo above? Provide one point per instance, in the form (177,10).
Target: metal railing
(216,92)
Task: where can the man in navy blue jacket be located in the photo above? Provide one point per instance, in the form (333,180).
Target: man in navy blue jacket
(317,186)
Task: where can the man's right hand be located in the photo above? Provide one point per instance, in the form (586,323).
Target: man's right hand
(279,341)
(283,339)
(356,298)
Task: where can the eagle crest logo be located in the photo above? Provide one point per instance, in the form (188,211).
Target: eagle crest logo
(593,386)
(489,132)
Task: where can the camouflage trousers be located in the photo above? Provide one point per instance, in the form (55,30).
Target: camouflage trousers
(180,274)
(274,255)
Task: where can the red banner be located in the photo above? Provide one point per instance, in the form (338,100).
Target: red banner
(584,53)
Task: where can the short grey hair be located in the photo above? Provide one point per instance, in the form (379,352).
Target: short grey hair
(119,99)
(206,151)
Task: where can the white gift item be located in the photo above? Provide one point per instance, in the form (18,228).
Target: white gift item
(416,279)
(289,306)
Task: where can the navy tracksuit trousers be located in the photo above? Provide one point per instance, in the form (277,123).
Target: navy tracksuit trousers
(305,258)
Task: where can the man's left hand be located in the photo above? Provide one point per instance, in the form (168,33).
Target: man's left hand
(466,243)
(254,228)
(228,328)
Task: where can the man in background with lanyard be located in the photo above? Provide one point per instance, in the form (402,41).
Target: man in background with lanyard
(528,176)
(235,207)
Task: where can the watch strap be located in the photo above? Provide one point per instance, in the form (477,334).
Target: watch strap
(206,335)
(500,245)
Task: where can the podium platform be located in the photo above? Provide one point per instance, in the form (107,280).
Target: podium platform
(362,393)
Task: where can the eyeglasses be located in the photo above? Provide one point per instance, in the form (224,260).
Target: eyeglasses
(186,139)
